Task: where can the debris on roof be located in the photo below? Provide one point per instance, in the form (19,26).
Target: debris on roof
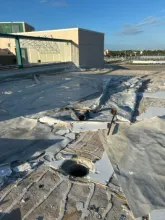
(56,129)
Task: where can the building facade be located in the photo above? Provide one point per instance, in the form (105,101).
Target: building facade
(15,27)
(86,49)
(8,54)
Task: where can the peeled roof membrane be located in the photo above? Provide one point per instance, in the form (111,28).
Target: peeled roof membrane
(137,153)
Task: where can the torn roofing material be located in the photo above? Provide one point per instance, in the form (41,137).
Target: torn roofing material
(137,153)
(43,107)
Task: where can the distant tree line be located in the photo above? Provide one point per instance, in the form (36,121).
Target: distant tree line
(130,53)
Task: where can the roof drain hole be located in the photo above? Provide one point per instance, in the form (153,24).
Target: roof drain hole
(78,170)
(84,116)
(74,169)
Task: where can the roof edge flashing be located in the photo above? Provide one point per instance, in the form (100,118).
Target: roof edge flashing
(18,36)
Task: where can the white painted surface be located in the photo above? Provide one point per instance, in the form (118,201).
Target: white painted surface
(88,126)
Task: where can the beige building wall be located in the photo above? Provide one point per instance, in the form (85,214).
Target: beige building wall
(87,49)
(63,54)
(6,43)
(67,51)
(91,46)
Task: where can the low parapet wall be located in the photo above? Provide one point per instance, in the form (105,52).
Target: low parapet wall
(148,62)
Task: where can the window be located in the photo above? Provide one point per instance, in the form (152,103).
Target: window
(15,28)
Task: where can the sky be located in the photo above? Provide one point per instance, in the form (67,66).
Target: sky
(127,24)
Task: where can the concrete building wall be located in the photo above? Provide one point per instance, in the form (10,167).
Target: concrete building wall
(67,51)
(91,48)
(86,50)
(9,44)
(9,27)
(5,51)
(63,54)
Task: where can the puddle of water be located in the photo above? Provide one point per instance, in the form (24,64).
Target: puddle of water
(104,168)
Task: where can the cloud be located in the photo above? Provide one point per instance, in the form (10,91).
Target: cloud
(131,30)
(134,29)
(149,21)
(59,3)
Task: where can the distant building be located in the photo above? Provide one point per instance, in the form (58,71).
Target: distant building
(15,27)
(141,52)
(8,55)
(86,49)
(106,52)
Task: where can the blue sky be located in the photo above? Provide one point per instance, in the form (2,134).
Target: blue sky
(127,24)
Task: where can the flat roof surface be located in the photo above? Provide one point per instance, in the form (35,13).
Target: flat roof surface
(24,140)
